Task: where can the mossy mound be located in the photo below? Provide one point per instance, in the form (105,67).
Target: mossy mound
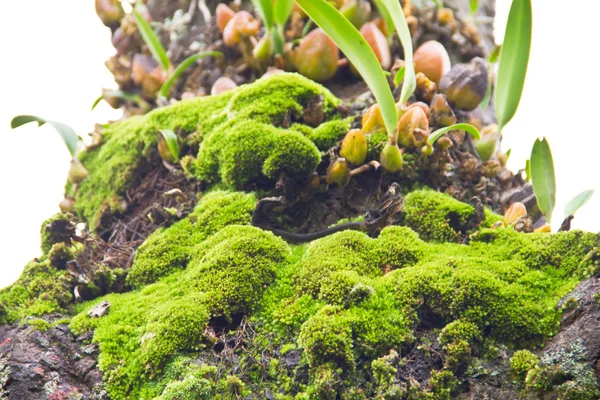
(340,305)
(240,135)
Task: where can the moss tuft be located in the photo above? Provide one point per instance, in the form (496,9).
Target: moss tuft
(522,362)
(145,329)
(169,249)
(436,216)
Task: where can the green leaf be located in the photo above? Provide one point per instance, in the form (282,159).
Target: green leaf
(386,16)
(185,64)
(410,82)
(67,133)
(527,170)
(399,77)
(152,41)
(495,54)
(118,94)
(358,51)
(265,8)
(282,11)
(513,61)
(171,140)
(473,6)
(456,127)
(577,202)
(488,93)
(542,177)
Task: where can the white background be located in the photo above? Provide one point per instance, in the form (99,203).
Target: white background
(53,66)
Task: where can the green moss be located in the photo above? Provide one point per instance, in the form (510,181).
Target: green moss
(521,362)
(168,250)
(236,120)
(327,338)
(60,254)
(144,330)
(53,231)
(41,289)
(328,134)
(340,306)
(375,143)
(39,324)
(456,339)
(248,150)
(436,216)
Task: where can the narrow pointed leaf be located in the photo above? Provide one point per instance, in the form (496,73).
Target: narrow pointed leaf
(488,93)
(543,179)
(358,51)
(171,139)
(152,41)
(577,202)
(67,133)
(386,16)
(410,83)
(282,10)
(513,61)
(185,64)
(265,8)
(399,77)
(470,129)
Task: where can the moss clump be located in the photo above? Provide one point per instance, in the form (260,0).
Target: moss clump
(436,216)
(327,318)
(456,339)
(60,254)
(234,120)
(522,362)
(145,329)
(170,249)
(248,150)
(41,289)
(55,230)
(329,133)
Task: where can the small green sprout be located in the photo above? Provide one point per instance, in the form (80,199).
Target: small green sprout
(77,171)
(470,129)
(168,146)
(122,95)
(67,133)
(275,15)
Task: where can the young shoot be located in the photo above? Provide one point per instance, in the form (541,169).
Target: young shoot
(68,135)
(168,146)
(77,171)
(120,95)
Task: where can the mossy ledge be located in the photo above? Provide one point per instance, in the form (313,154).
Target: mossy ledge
(343,305)
(222,309)
(239,133)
